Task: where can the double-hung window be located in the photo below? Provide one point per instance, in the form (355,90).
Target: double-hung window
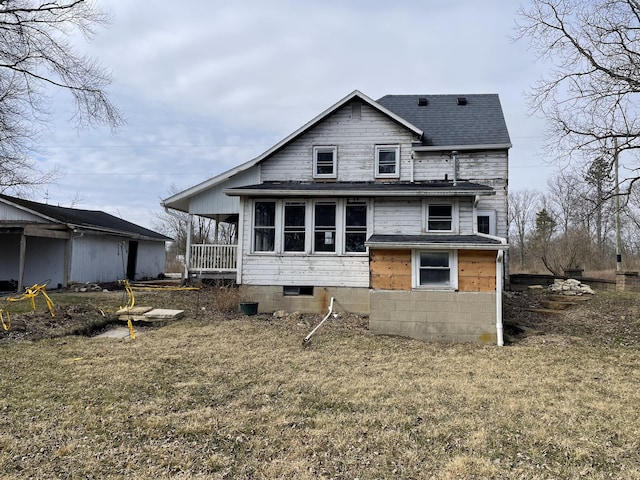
(440,217)
(387,161)
(324,229)
(435,269)
(264,221)
(325,160)
(355,227)
(294,226)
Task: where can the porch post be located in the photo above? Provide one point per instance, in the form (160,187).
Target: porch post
(23,255)
(215,230)
(187,253)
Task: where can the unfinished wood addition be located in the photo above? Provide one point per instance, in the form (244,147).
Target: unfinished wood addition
(390,269)
(476,270)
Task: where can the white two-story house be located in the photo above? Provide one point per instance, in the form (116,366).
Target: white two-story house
(395,208)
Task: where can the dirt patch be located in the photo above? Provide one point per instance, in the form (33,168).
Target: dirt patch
(68,320)
(606,319)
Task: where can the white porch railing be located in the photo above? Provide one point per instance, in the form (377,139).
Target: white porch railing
(213,258)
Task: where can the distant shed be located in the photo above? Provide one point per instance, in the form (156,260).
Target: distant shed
(41,242)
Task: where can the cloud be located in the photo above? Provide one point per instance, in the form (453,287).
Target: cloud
(206,85)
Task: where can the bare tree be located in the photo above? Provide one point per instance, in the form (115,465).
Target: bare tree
(523,204)
(591,95)
(37,55)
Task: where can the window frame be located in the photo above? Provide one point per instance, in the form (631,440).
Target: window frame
(315,229)
(255,226)
(454,215)
(294,228)
(325,149)
(355,230)
(387,148)
(492,221)
(452,284)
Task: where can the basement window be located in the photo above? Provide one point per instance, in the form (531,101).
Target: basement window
(297,291)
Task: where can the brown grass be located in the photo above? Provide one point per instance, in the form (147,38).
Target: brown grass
(225,396)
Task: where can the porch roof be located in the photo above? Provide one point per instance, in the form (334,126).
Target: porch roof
(438,241)
(362,189)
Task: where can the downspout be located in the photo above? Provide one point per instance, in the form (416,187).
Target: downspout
(454,157)
(499,286)
(413,162)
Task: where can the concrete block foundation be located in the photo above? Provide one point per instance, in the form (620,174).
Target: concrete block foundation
(434,316)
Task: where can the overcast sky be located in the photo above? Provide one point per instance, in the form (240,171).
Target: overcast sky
(208,84)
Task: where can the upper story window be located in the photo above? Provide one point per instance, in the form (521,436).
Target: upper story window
(325,160)
(486,221)
(294,226)
(440,217)
(264,219)
(387,161)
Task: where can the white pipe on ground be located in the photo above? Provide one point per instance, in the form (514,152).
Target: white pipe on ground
(308,337)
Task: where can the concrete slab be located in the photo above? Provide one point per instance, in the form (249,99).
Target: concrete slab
(134,311)
(121,333)
(164,314)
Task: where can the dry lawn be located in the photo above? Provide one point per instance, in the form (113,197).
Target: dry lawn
(218,395)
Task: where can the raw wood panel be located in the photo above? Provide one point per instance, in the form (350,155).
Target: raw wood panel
(390,269)
(476,271)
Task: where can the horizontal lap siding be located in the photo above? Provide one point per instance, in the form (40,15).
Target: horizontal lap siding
(476,271)
(355,139)
(390,269)
(471,166)
(397,217)
(311,270)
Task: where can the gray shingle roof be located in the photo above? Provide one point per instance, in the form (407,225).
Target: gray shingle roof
(360,188)
(431,239)
(445,123)
(93,219)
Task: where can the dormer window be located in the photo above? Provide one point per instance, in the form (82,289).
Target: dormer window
(387,161)
(325,161)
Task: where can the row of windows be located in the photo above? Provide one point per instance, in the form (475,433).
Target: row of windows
(387,161)
(320,226)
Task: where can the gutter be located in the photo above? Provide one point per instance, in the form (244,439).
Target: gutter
(444,148)
(255,192)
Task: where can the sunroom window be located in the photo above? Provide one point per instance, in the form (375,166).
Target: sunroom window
(355,227)
(294,227)
(324,234)
(325,162)
(264,226)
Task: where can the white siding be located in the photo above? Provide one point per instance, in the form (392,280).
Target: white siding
(151,259)
(97,258)
(44,262)
(406,217)
(474,167)
(214,201)
(311,270)
(10,213)
(356,141)
(397,217)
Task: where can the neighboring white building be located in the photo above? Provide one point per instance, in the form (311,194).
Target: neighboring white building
(396,208)
(45,243)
